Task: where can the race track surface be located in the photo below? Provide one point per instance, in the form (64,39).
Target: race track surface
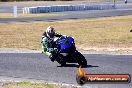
(121,9)
(36,66)
(72,15)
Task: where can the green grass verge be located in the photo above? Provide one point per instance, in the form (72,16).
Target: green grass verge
(28,84)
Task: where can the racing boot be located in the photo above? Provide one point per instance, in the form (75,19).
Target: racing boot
(52,58)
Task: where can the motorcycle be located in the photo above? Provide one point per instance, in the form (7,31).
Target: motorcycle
(65,52)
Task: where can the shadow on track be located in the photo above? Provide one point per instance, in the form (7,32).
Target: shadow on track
(77,66)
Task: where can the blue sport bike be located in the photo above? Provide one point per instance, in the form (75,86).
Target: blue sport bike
(65,52)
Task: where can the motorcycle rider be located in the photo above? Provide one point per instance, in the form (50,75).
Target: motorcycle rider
(48,40)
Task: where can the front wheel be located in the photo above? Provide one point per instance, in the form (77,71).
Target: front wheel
(81,60)
(61,60)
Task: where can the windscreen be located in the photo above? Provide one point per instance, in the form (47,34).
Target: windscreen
(63,40)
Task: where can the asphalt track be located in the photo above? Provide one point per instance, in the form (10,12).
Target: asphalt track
(72,15)
(36,66)
(121,10)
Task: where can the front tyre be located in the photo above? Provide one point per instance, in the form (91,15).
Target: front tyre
(61,60)
(81,60)
(63,63)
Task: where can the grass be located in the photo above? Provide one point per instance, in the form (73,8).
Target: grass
(108,32)
(35,85)
(9,15)
(51,2)
(27,84)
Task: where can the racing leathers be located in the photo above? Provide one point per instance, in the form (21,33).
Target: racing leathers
(47,44)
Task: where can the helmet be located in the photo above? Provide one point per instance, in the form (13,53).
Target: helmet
(50,31)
